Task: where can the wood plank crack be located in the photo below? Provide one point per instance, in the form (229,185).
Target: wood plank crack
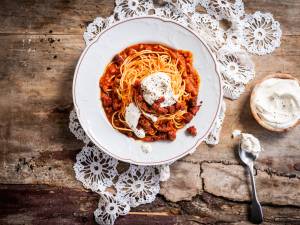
(231,181)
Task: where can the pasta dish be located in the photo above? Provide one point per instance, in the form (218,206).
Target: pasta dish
(149,91)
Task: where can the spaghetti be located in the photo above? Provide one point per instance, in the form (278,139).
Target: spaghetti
(124,82)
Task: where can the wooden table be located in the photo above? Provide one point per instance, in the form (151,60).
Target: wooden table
(40,42)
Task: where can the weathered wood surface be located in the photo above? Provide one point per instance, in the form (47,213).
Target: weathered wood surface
(41,204)
(40,42)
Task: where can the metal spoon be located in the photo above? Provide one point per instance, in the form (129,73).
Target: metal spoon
(256,210)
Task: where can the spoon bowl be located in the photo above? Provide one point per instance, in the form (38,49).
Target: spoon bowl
(247,158)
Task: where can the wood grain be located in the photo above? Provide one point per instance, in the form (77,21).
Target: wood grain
(230,181)
(36,204)
(183,176)
(40,43)
(56,16)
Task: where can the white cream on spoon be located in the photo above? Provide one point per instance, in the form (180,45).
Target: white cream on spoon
(250,144)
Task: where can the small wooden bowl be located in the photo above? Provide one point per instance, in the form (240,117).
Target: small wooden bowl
(253,108)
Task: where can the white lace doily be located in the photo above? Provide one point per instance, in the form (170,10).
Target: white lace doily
(257,33)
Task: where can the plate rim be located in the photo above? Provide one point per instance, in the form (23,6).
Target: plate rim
(174,158)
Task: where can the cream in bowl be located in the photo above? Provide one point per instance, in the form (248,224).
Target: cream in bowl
(275,102)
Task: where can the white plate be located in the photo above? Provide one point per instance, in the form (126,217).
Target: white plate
(98,54)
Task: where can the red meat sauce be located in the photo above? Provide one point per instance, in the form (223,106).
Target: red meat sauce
(192,131)
(163,130)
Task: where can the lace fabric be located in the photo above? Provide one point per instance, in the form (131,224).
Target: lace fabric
(109,208)
(261,33)
(138,185)
(95,169)
(257,33)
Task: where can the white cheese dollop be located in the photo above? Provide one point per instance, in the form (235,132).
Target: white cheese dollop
(146,148)
(158,85)
(151,117)
(250,144)
(277,102)
(132,116)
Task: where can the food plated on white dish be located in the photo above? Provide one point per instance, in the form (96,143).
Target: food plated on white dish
(147,90)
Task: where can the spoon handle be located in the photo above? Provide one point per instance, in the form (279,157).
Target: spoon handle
(256,210)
